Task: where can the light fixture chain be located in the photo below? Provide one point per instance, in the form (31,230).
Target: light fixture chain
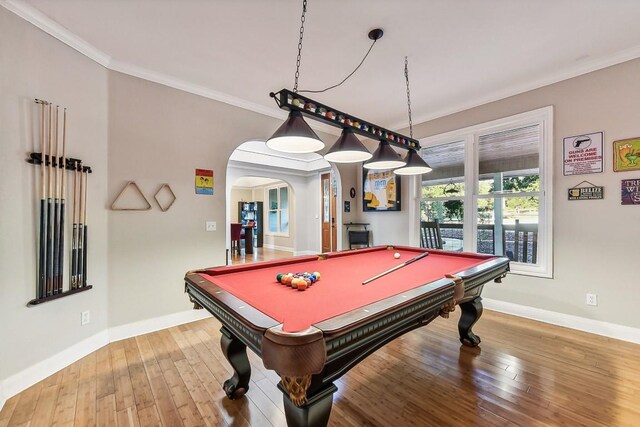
(302,18)
(406,76)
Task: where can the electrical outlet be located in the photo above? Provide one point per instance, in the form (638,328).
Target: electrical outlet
(592,299)
(210,226)
(85,318)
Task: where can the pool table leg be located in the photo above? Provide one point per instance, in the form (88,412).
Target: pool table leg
(236,353)
(471,312)
(315,413)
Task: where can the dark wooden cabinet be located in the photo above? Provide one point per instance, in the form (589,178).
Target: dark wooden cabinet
(249,212)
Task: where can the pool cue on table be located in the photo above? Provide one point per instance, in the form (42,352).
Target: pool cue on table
(63,189)
(73,276)
(42,260)
(49,268)
(56,208)
(397,267)
(80,230)
(85,245)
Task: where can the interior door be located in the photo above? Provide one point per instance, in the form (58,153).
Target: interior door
(325,194)
(334,225)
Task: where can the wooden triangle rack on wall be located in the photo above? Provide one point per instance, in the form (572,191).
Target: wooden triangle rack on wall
(139,192)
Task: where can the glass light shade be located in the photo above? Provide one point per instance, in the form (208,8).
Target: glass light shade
(295,136)
(415,165)
(347,149)
(385,157)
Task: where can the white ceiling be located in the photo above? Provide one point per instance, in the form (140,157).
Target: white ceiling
(461,53)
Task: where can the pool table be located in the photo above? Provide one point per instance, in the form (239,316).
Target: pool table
(312,337)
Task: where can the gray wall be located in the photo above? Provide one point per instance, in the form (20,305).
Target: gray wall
(34,65)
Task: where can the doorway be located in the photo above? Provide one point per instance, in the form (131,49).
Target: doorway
(328,220)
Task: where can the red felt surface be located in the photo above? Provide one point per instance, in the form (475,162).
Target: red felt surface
(340,288)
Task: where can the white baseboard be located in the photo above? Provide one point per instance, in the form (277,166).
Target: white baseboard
(304,253)
(41,370)
(3,397)
(146,326)
(278,248)
(611,330)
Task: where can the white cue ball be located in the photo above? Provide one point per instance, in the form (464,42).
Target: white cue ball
(396,255)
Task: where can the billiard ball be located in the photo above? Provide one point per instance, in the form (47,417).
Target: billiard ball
(279,277)
(317,274)
(396,255)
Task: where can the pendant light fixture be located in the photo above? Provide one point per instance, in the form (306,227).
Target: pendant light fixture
(415,164)
(347,149)
(295,135)
(385,157)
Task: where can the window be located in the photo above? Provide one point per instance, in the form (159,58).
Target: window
(278,210)
(490,189)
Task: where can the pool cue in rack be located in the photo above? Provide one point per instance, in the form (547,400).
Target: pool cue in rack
(56,208)
(85,242)
(42,254)
(74,239)
(63,192)
(49,250)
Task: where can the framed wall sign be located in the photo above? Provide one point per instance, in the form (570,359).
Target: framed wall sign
(586,192)
(583,154)
(381,190)
(626,155)
(347,206)
(631,191)
(204,181)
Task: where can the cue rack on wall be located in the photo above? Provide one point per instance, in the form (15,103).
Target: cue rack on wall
(55,168)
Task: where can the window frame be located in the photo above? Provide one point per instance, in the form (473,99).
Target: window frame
(268,209)
(471,137)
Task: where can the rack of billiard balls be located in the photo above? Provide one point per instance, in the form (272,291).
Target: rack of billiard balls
(299,281)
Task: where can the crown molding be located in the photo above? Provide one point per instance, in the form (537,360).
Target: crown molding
(51,27)
(581,69)
(185,86)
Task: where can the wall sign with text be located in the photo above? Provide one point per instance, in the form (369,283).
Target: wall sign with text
(583,154)
(630,192)
(586,193)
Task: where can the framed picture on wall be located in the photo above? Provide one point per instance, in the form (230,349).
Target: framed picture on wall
(381,190)
(626,155)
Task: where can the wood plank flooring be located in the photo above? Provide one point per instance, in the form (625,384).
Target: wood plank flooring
(524,373)
(259,254)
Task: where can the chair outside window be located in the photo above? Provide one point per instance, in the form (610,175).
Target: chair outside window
(236,235)
(430,236)
(524,247)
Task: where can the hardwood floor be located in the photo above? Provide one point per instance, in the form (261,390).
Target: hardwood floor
(259,254)
(524,373)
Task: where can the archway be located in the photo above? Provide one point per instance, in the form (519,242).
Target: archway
(257,172)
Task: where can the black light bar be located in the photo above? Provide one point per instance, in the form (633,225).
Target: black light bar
(288,100)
